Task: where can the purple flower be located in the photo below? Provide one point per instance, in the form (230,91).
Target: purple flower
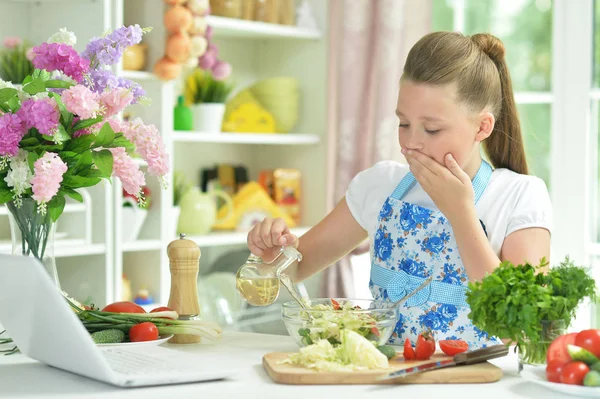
(136,89)
(101,80)
(11,133)
(60,57)
(107,50)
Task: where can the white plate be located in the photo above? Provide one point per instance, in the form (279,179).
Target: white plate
(539,377)
(161,340)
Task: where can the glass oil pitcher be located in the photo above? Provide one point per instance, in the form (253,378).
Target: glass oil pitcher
(258,282)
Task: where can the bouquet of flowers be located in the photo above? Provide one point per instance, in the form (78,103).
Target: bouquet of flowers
(60,131)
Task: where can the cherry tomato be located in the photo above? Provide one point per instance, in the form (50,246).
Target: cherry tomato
(375,330)
(573,373)
(124,307)
(558,348)
(590,340)
(409,352)
(161,309)
(554,370)
(453,347)
(146,331)
(425,346)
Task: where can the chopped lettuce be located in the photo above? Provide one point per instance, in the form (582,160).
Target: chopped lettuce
(354,353)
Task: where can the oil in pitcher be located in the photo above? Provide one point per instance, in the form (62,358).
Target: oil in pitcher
(258,282)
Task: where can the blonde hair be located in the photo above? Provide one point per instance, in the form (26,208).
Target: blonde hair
(477,66)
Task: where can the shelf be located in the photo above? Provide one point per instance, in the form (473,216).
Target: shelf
(246,138)
(142,245)
(231,238)
(66,248)
(138,75)
(69,208)
(231,27)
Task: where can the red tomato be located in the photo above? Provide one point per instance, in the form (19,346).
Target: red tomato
(573,373)
(143,332)
(590,340)
(161,309)
(453,347)
(425,346)
(375,331)
(558,348)
(554,370)
(409,352)
(124,307)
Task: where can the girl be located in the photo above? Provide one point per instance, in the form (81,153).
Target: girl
(449,213)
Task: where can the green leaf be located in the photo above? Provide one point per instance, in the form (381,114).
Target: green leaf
(84,123)
(61,134)
(13,104)
(80,181)
(27,80)
(104,161)
(80,144)
(121,141)
(6,94)
(56,206)
(30,141)
(34,87)
(41,74)
(31,158)
(105,136)
(71,193)
(58,84)
(5,192)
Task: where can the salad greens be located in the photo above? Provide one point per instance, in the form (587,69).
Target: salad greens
(517,302)
(334,318)
(355,352)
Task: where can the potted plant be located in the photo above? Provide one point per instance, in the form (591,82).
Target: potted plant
(61,132)
(207,96)
(529,306)
(15,60)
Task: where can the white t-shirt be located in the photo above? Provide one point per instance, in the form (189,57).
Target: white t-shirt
(510,202)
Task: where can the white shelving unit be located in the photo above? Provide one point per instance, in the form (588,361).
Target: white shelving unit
(256,51)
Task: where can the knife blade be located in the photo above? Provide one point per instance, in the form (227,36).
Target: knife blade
(465,358)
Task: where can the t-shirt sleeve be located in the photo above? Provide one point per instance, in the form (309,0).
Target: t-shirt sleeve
(532,208)
(369,189)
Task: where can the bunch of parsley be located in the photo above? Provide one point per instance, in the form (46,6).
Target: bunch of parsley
(516,302)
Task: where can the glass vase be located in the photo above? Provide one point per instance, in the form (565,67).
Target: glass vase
(32,234)
(532,353)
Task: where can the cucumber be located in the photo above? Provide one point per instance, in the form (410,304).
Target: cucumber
(388,350)
(596,366)
(592,379)
(582,355)
(110,336)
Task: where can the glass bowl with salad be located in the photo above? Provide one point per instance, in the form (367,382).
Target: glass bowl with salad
(324,318)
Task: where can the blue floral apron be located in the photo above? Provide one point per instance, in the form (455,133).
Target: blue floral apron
(412,243)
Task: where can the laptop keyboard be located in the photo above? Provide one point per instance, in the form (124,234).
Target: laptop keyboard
(135,363)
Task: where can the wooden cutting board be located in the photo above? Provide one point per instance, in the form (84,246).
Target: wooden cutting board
(296,375)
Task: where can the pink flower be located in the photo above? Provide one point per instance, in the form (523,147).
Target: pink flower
(149,144)
(115,100)
(61,57)
(12,131)
(125,168)
(209,58)
(48,173)
(221,70)
(209,33)
(29,54)
(81,101)
(42,114)
(12,41)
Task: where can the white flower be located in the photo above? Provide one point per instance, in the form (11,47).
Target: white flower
(63,36)
(19,174)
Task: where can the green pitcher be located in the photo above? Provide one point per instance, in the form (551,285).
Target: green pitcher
(199,211)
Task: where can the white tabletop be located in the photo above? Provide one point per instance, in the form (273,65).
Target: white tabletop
(21,377)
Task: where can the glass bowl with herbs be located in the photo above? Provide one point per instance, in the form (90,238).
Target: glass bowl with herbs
(324,318)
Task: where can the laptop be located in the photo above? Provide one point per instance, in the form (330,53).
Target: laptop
(44,327)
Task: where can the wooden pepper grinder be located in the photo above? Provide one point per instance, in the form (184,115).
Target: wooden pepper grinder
(184,260)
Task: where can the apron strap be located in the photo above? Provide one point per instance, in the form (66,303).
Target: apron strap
(480,182)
